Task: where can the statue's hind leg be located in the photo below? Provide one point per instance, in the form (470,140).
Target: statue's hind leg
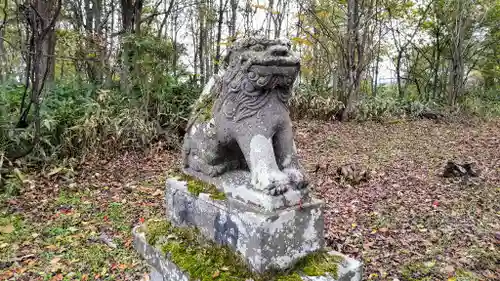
(204,152)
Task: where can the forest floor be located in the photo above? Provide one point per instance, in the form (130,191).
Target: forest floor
(406,222)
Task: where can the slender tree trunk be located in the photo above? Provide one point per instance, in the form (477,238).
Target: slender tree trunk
(350,58)
(457,69)
(375,82)
(40,18)
(100,40)
(437,63)
(248,17)
(202,39)
(3,58)
(175,32)
(131,22)
(279,16)
(398,73)
(168,11)
(222,7)
(269,16)
(234,13)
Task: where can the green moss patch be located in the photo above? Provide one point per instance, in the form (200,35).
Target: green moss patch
(318,264)
(203,108)
(206,112)
(196,186)
(205,260)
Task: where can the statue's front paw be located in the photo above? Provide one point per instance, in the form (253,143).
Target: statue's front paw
(277,188)
(273,183)
(297,178)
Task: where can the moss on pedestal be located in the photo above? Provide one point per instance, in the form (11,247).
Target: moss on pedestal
(290,277)
(319,263)
(205,260)
(196,186)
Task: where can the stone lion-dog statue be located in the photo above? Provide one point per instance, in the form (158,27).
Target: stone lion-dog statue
(241,119)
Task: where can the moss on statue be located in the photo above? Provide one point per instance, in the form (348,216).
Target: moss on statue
(196,186)
(202,110)
(206,112)
(205,260)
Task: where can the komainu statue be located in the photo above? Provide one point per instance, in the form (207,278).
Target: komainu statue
(241,120)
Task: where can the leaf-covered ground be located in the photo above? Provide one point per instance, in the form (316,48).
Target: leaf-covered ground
(405,223)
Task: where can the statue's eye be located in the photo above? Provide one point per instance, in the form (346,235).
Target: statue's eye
(258,48)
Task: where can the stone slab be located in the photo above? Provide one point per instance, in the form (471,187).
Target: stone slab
(265,239)
(236,184)
(156,276)
(163,269)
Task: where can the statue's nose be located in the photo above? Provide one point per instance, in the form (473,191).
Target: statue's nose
(279,51)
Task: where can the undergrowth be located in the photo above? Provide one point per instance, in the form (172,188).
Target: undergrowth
(78,118)
(323,104)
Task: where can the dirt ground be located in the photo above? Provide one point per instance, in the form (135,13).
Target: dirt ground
(406,222)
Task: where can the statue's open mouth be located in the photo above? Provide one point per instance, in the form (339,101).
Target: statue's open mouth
(284,70)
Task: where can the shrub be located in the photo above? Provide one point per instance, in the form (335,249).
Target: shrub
(81,118)
(315,103)
(481,103)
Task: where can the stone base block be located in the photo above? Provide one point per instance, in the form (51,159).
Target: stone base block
(265,239)
(163,269)
(237,185)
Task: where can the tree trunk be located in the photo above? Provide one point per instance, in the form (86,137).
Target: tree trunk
(375,82)
(456,75)
(398,73)
(131,22)
(201,46)
(352,20)
(168,10)
(234,12)
(437,63)
(269,17)
(248,17)
(218,61)
(40,18)
(3,58)
(278,17)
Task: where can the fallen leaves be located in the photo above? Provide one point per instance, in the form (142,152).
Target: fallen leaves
(6,229)
(407,211)
(404,214)
(107,240)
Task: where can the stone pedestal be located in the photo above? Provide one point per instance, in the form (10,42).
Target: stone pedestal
(269,236)
(163,269)
(265,239)
(236,184)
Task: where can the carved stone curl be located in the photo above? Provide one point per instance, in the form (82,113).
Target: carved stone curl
(241,119)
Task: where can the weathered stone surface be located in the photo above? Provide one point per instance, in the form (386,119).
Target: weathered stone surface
(241,120)
(156,276)
(265,239)
(162,269)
